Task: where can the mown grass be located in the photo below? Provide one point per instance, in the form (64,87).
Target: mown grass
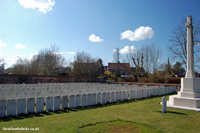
(139,116)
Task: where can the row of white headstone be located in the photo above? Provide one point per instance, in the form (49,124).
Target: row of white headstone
(90,97)
(41,90)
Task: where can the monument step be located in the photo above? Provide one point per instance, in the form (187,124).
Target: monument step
(189,94)
(181,107)
(190,90)
(176,100)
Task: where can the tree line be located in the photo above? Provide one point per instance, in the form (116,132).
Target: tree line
(49,61)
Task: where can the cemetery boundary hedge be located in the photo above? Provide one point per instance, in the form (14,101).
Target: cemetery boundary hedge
(34,79)
(159,80)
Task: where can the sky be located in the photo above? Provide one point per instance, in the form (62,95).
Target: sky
(94,26)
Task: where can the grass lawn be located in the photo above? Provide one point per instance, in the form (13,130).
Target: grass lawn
(135,116)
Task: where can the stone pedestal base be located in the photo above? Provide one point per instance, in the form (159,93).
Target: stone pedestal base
(189,95)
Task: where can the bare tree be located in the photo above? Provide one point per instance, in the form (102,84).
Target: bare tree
(138,66)
(117,58)
(147,57)
(2,65)
(34,66)
(20,67)
(46,62)
(117,55)
(85,65)
(155,55)
(178,45)
(50,60)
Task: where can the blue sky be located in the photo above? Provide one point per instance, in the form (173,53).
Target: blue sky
(93,26)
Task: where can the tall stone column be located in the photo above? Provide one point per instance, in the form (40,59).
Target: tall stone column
(190,55)
(189,95)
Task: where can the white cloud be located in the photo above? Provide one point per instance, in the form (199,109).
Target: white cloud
(61,53)
(19,46)
(32,55)
(140,33)
(68,52)
(1,53)
(42,5)
(198,44)
(2,44)
(126,50)
(12,59)
(72,60)
(94,38)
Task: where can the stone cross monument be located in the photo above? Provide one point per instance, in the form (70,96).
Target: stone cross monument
(190,44)
(189,95)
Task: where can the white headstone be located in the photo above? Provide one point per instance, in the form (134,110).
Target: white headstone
(49,103)
(126,95)
(84,100)
(104,98)
(11,107)
(78,100)
(2,108)
(72,101)
(144,95)
(112,97)
(56,103)
(108,97)
(65,102)
(121,96)
(118,96)
(89,99)
(30,104)
(164,104)
(93,99)
(163,91)
(132,94)
(136,94)
(98,98)
(39,104)
(21,106)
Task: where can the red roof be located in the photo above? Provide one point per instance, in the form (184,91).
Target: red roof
(118,66)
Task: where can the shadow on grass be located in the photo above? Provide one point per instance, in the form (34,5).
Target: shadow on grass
(25,116)
(66,110)
(178,113)
(60,112)
(121,124)
(173,112)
